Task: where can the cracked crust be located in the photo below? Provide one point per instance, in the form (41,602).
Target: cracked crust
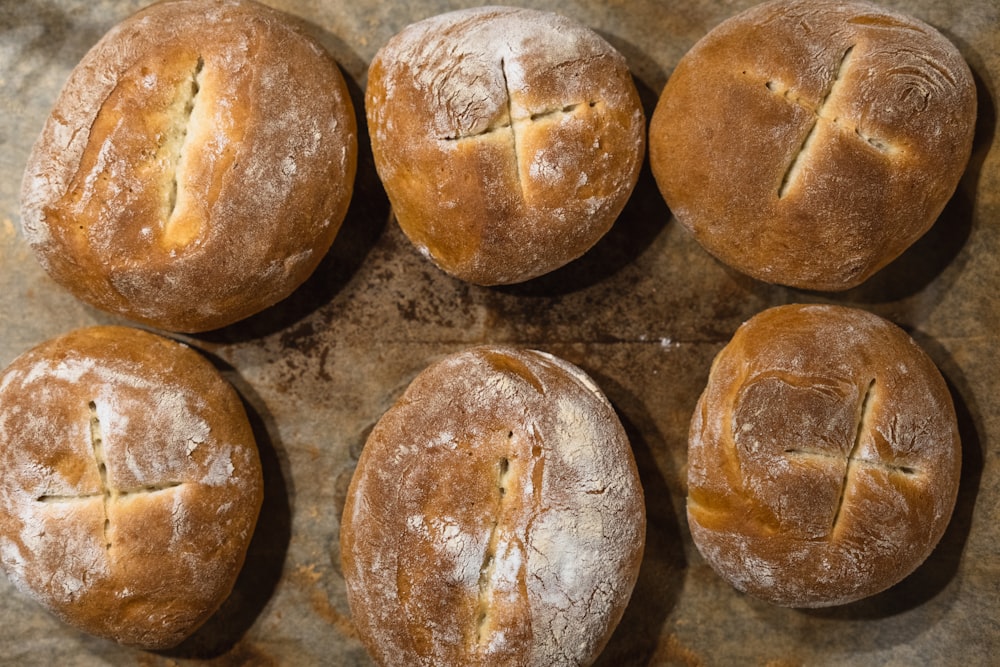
(508,140)
(129,484)
(823,459)
(495,517)
(195,168)
(810,142)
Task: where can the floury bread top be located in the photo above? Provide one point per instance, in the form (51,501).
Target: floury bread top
(130,483)
(495,517)
(508,140)
(195,168)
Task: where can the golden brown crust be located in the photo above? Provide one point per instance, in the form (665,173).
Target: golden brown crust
(824,457)
(508,140)
(495,517)
(810,142)
(196,167)
(129,483)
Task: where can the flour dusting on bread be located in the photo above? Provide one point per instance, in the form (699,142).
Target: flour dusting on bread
(127,471)
(509,511)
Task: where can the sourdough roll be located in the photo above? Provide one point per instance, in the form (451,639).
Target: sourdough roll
(823,460)
(195,168)
(810,142)
(508,140)
(495,517)
(130,484)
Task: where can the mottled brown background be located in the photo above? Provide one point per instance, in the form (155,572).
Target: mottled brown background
(644,313)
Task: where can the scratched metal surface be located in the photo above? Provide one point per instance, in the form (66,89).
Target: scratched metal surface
(644,313)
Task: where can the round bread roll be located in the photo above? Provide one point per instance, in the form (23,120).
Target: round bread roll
(810,142)
(130,484)
(495,517)
(508,140)
(824,457)
(195,168)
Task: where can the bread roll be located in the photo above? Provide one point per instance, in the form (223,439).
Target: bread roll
(195,168)
(824,457)
(508,140)
(495,517)
(129,484)
(810,142)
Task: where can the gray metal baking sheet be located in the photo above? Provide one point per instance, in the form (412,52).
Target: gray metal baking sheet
(644,313)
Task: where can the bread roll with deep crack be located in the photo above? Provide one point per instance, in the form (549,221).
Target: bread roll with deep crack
(196,167)
(810,142)
(495,517)
(129,484)
(508,140)
(824,457)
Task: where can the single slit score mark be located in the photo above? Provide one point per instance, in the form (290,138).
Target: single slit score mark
(97,443)
(193,86)
(107,492)
(888,467)
(819,114)
(533,118)
(863,420)
(513,130)
(793,168)
(486,570)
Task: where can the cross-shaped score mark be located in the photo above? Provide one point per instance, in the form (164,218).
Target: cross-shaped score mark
(108,492)
(821,114)
(853,460)
(514,124)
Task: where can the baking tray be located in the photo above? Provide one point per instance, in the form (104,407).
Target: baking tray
(644,313)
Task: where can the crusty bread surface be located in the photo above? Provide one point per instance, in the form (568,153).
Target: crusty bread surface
(824,457)
(508,140)
(810,142)
(495,517)
(130,484)
(196,166)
